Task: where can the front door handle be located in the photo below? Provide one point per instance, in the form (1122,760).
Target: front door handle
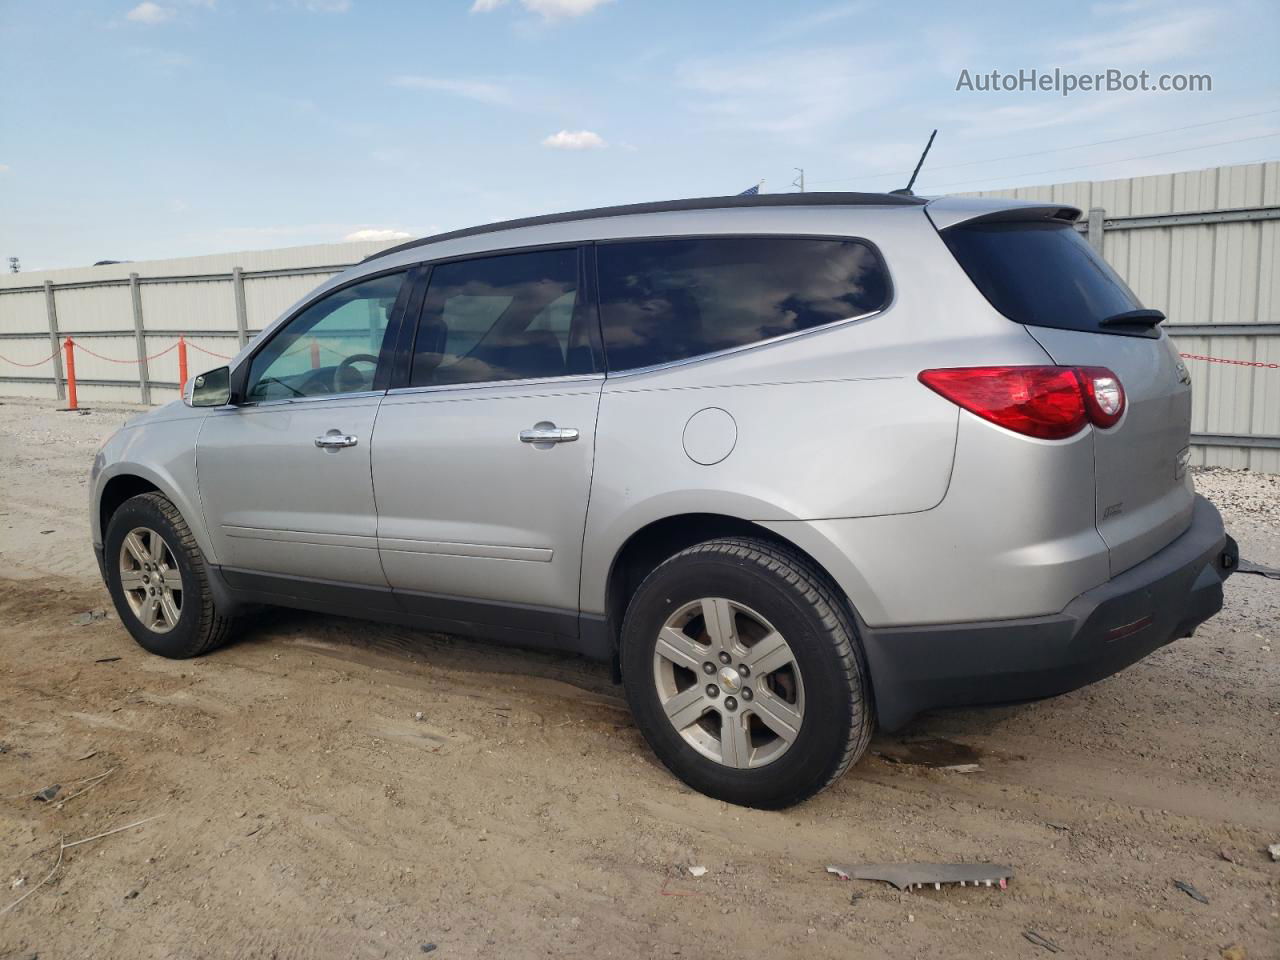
(333,440)
(546,432)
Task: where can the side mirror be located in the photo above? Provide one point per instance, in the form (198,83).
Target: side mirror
(211,389)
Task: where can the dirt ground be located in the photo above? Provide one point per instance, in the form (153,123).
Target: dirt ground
(304,811)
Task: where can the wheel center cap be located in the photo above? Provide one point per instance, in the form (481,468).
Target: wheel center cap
(730,679)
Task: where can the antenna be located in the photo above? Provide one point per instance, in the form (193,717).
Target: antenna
(906,191)
(799,181)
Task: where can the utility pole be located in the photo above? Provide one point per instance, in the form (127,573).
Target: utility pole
(799,181)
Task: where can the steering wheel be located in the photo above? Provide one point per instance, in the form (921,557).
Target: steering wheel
(347,379)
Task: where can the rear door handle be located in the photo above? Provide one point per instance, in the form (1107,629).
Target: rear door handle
(334,440)
(548,433)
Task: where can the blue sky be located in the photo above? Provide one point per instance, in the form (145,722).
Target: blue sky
(177,127)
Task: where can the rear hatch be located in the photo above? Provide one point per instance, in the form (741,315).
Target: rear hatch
(1037,270)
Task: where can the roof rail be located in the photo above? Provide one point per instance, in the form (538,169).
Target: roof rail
(669,206)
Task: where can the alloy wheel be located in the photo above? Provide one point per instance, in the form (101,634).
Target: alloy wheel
(150,580)
(728,682)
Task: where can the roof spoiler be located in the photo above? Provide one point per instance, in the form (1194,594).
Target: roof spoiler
(952,211)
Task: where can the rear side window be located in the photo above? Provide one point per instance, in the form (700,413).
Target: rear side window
(1039,273)
(508,317)
(665,300)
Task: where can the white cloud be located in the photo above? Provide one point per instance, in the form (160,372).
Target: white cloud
(375,233)
(800,92)
(547,9)
(1142,42)
(1121,7)
(984,122)
(796,25)
(479,90)
(323,6)
(163,61)
(575,140)
(281,235)
(553,9)
(148,12)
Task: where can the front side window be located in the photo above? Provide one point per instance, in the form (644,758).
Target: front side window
(665,300)
(330,348)
(510,317)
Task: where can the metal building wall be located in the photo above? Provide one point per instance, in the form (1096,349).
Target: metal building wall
(1204,247)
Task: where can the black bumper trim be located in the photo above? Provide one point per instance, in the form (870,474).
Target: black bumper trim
(1099,633)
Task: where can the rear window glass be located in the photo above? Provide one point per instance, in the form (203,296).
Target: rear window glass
(665,300)
(1042,274)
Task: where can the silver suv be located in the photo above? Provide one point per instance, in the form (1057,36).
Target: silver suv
(797,465)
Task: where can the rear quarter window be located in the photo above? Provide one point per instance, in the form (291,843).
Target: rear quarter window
(667,300)
(1043,274)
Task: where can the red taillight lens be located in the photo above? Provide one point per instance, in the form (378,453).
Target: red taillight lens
(1051,403)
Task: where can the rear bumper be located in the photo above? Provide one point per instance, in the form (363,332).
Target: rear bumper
(1099,633)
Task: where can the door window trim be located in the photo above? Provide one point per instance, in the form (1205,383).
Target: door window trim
(891,293)
(386,352)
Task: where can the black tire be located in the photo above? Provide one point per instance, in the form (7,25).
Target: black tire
(802,604)
(200,627)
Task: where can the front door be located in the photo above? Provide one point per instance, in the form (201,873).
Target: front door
(284,477)
(482,458)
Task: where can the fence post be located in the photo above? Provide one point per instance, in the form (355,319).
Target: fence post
(242,312)
(70,348)
(1095,227)
(54,341)
(182,365)
(139,335)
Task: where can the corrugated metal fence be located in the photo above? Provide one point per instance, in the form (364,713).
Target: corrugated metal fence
(1204,246)
(126,318)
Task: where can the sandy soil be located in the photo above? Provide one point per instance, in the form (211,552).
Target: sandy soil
(304,811)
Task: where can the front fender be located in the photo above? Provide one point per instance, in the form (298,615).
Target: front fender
(164,455)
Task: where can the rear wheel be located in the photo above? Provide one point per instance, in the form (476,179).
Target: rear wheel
(158,580)
(745,673)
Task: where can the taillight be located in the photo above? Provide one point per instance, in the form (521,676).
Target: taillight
(1103,395)
(1051,403)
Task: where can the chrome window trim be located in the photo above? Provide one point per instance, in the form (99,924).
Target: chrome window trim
(490,384)
(285,401)
(729,351)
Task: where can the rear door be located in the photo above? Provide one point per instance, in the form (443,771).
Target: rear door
(1042,273)
(484,447)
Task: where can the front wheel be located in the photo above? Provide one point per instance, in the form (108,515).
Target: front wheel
(158,580)
(744,672)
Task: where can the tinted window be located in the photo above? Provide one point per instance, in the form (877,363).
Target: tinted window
(1043,274)
(509,317)
(330,348)
(663,300)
